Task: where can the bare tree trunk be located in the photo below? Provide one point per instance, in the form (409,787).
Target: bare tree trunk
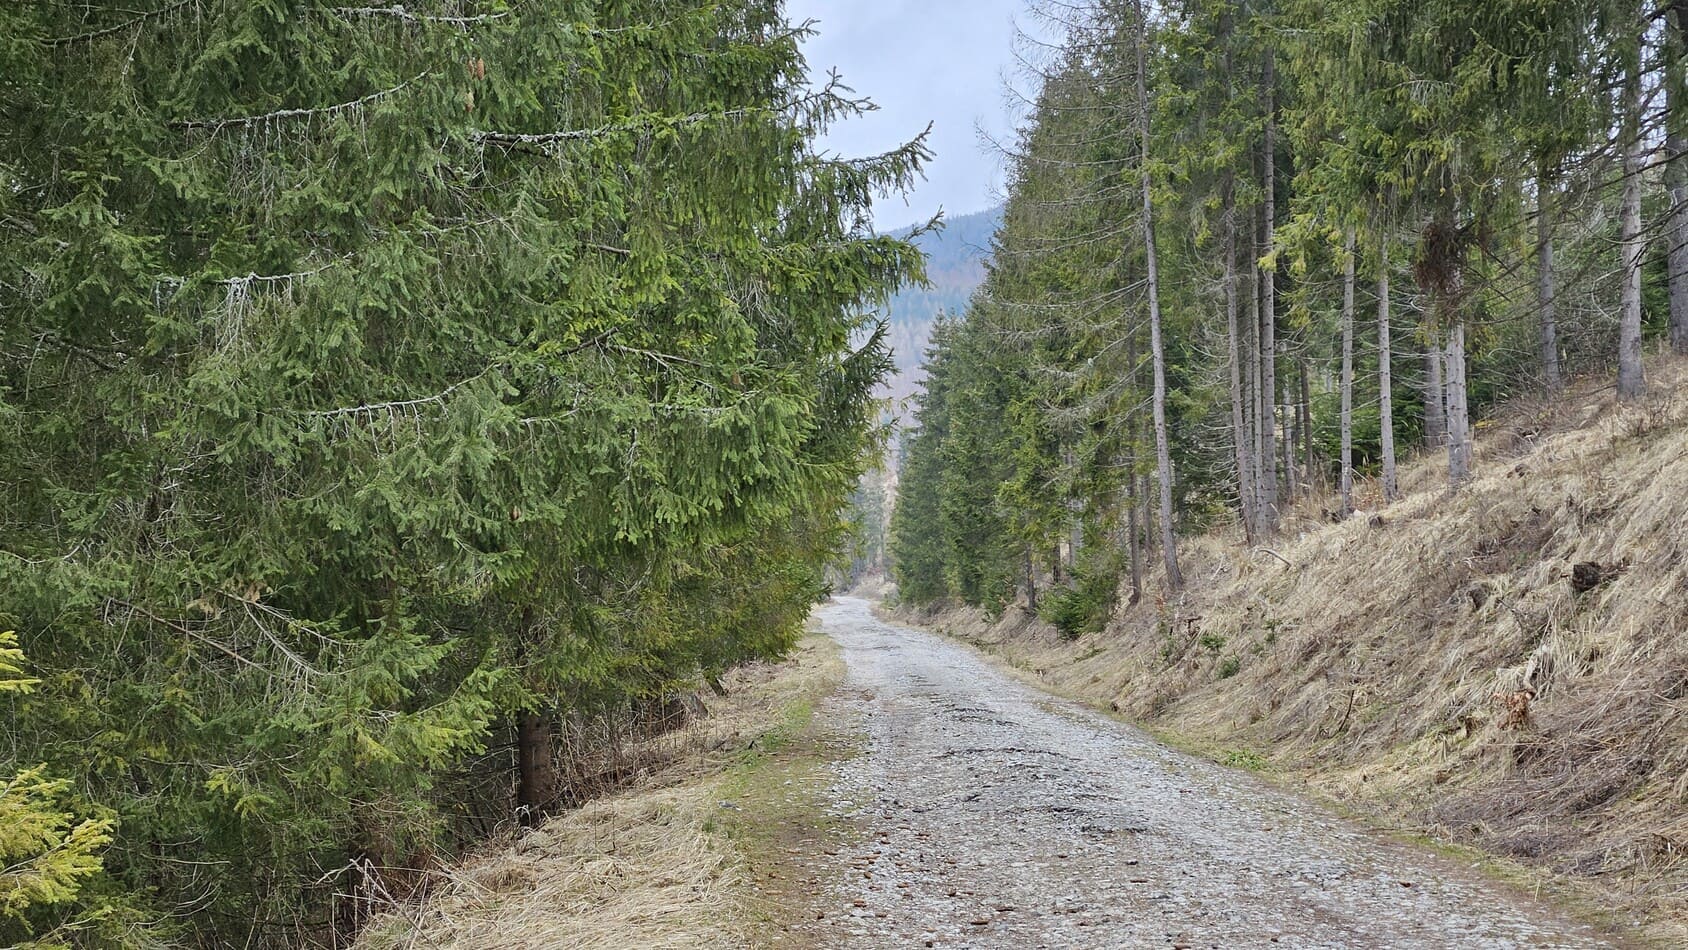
(1135,493)
(1676,173)
(1631,383)
(1310,471)
(1239,437)
(1031,582)
(1385,374)
(536,767)
(1254,403)
(538,785)
(1075,534)
(1347,423)
(1286,441)
(1135,543)
(1163,447)
(1545,301)
(1458,411)
(1268,309)
(1435,399)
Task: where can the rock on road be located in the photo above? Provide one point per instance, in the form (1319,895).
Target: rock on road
(996,815)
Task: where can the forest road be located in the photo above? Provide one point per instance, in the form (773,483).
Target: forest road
(997,815)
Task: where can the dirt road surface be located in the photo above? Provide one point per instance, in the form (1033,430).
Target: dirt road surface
(996,815)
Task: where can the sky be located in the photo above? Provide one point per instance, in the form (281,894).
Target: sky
(939,61)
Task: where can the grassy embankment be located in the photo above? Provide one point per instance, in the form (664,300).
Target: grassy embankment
(698,853)
(1428,663)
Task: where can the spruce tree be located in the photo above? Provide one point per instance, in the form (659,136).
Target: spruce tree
(379,382)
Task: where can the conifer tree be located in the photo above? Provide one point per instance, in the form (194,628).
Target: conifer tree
(378,383)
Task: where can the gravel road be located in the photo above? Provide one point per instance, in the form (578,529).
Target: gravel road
(997,815)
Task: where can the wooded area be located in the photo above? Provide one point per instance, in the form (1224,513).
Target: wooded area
(1254,249)
(388,393)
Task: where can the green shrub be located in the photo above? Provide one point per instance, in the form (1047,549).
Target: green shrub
(1085,605)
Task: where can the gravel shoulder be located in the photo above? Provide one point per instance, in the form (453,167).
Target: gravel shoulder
(988,813)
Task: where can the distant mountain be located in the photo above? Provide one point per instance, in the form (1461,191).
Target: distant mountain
(955,265)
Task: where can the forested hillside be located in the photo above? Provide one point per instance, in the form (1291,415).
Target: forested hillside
(390,395)
(1254,252)
(955,267)
(1319,408)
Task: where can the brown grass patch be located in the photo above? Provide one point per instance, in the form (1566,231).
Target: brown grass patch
(1369,663)
(646,867)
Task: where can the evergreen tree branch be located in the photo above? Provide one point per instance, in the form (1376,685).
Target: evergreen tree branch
(399,12)
(62,41)
(217,125)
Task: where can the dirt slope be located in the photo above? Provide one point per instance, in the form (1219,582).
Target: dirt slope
(1430,662)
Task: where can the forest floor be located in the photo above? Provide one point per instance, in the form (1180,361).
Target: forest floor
(695,853)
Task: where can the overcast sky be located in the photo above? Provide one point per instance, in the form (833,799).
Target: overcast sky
(938,61)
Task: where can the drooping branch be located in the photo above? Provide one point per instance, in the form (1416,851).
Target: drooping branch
(804,108)
(62,41)
(246,121)
(400,13)
(544,140)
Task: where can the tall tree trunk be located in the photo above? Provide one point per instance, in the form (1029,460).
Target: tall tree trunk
(537,783)
(1163,446)
(1631,383)
(1458,409)
(1347,423)
(1268,307)
(1239,436)
(1676,172)
(1252,394)
(1385,374)
(1286,441)
(1031,581)
(1135,541)
(1310,471)
(1545,301)
(1136,493)
(1435,398)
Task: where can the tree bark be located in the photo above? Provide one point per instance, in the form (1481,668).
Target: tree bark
(1135,541)
(1031,582)
(1347,423)
(1163,447)
(1268,309)
(1631,383)
(1256,410)
(1676,173)
(1135,493)
(536,767)
(1458,412)
(1286,440)
(1310,472)
(1239,434)
(1435,399)
(1385,374)
(1545,302)
(537,782)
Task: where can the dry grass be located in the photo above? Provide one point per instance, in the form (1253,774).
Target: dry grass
(644,868)
(1379,662)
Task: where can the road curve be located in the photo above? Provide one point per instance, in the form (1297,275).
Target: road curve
(997,815)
